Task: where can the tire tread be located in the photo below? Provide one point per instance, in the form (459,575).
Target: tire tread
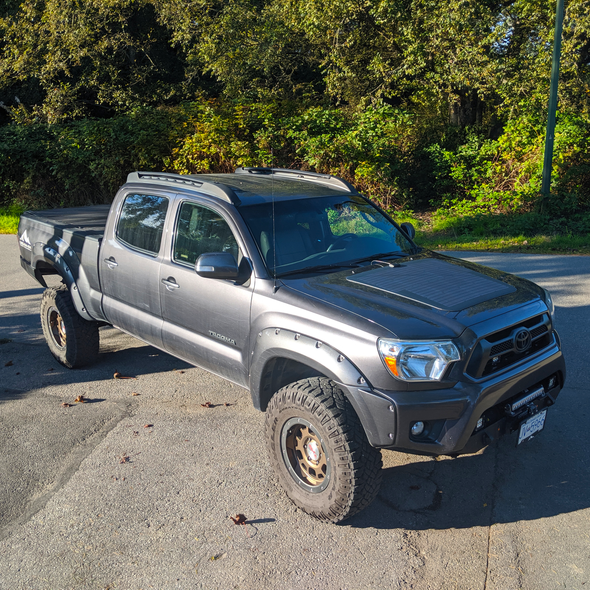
(361,474)
(82,343)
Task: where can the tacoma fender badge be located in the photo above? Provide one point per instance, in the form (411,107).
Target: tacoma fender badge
(222,337)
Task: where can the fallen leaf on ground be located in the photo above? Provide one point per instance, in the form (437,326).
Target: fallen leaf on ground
(207,405)
(135,393)
(80,399)
(124,459)
(9,364)
(239,519)
(148,426)
(228,404)
(135,433)
(66,405)
(178,371)
(218,556)
(118,375)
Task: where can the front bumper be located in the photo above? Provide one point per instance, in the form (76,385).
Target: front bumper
(451,415)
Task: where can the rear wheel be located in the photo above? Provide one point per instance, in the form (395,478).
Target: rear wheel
(319,450)
(72,340)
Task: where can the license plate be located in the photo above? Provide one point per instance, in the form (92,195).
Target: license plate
(531,426)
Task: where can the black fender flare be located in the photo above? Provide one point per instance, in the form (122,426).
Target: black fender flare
(49,255)
(274,343)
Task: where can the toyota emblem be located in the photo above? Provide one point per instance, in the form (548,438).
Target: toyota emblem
(522,340)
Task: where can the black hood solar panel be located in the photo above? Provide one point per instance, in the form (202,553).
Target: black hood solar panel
(437,283)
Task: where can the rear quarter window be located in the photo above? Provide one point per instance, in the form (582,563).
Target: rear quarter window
(141,222)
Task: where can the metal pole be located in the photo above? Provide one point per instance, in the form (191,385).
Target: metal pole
(550,134)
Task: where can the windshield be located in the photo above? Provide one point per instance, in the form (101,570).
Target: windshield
(324,232)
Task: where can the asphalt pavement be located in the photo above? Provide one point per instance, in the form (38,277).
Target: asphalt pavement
(135,488)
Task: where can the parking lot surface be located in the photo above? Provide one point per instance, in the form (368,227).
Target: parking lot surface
(135,488)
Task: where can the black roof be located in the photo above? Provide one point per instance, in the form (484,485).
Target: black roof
(249,186)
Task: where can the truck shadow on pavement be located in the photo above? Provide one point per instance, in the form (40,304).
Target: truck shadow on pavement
(544,477)
(32,366)
(21,293)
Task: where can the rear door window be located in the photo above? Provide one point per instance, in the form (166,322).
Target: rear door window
(141,222)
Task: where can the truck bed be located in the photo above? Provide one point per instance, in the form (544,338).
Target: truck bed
(89,221)
(79,229)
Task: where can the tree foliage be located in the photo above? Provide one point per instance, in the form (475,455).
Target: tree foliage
(456,57)
(98,56)
(423,102)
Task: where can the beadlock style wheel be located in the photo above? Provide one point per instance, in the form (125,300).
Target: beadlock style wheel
(319,451)
(305,455)
(57,327)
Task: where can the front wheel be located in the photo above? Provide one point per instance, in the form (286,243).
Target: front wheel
(319,450)
(72,340)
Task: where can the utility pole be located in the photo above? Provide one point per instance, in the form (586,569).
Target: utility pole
(550,134)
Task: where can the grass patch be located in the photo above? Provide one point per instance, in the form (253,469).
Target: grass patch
(527,232)
(9,218)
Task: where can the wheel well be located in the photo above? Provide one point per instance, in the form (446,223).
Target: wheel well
(43,269)
(279,372)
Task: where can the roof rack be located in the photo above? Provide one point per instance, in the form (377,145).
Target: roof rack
(215,189)
(325,179)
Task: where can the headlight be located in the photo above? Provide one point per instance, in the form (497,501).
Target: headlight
(550,305)
(417,361)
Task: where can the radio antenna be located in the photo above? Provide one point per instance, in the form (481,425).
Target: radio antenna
(274,230)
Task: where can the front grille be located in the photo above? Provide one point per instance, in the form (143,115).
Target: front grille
(498,348)
(539,331)
(501,349)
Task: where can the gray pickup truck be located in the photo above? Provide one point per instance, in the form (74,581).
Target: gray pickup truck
(297,288)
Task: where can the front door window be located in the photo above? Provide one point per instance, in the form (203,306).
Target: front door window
(200,230)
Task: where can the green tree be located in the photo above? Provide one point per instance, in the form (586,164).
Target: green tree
(451,57)
(86,56)
(250,46)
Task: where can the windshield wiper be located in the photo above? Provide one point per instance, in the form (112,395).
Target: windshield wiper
(321,268)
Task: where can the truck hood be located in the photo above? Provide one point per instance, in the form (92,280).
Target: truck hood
(426,296)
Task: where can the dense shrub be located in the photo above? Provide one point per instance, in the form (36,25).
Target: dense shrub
(81,162)
(383,150)
(367,147)
(480,175)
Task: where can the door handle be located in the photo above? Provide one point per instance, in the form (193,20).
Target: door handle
(111,262)
(171,284)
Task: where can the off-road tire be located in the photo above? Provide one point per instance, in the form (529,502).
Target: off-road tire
(316,410)
(72,340)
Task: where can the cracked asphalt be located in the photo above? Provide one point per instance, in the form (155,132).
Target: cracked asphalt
(135,491)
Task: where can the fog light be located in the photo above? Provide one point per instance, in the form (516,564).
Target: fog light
(552,383)
(417,428)
(479,424)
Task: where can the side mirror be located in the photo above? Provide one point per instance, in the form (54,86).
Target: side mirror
(408,229)
(217,265)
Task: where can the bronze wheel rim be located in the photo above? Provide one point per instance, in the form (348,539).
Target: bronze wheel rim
(305,456)
(57,327)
